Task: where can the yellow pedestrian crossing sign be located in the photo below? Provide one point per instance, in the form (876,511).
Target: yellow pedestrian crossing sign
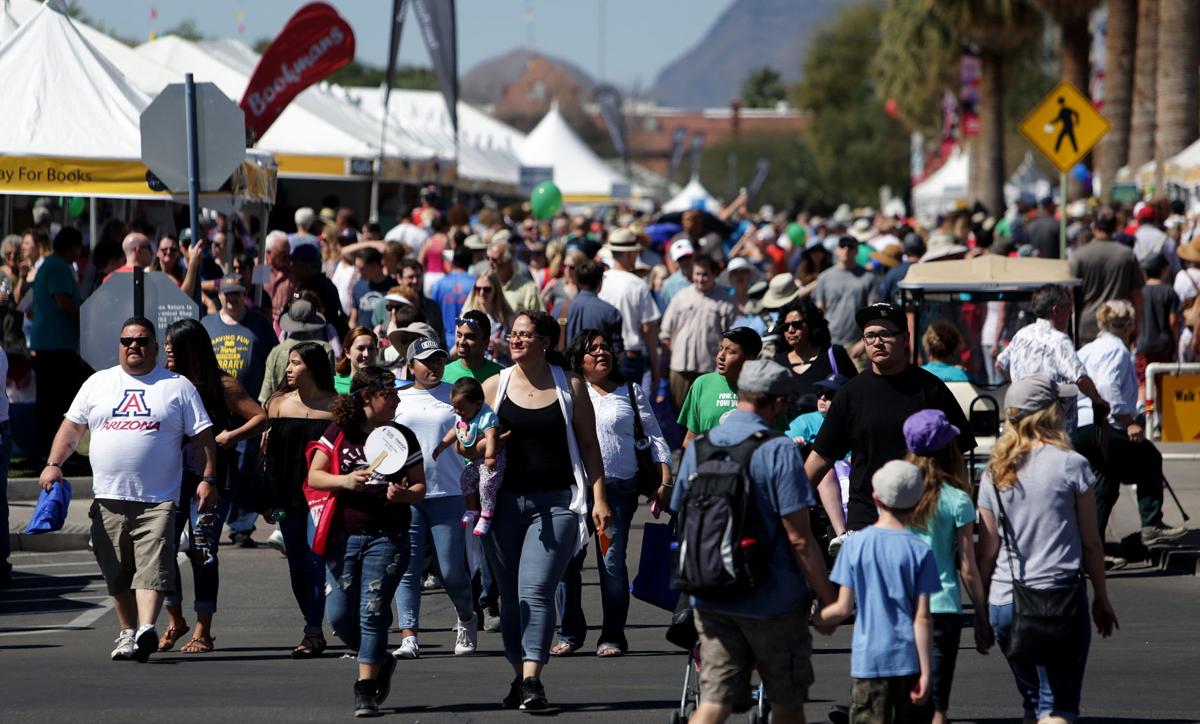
(1064,126)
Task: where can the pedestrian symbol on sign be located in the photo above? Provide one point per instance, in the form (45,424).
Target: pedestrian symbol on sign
(1068,118)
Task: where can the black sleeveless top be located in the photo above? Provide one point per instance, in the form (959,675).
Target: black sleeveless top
(538,458)
(285,466)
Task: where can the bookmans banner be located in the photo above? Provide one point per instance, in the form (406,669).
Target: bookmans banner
(313,44)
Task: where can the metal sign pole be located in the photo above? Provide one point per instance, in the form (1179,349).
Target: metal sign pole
(193,145)
(1062,216)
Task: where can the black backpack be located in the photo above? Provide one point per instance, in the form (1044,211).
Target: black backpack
(720,552)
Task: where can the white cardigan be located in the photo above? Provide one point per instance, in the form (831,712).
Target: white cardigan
(579,488)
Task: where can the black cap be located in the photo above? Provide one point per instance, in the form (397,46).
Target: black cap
(747,339)
(833,382)
(848,242)
(881,311)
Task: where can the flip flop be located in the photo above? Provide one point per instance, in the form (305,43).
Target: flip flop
(609,652)
(562,648)
(171,636)
(198,645)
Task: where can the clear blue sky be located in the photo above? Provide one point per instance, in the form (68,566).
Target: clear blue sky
(641,36)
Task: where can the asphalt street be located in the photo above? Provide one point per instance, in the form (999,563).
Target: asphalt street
(56,631)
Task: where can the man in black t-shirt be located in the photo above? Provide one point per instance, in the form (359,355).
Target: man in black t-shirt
(868,414)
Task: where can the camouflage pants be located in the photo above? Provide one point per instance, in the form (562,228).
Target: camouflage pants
(886,701)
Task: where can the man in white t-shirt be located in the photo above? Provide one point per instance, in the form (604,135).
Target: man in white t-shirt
(139,415)
(639,314)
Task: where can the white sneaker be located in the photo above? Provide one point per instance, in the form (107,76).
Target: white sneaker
(276,542)
(466,635)
(125,648)
(408,649)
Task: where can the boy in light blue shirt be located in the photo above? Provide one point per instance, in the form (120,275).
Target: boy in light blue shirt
(889,573)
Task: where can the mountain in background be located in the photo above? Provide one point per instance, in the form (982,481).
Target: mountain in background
(484,82)
(749,34)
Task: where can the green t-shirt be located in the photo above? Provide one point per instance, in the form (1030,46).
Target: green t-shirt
(456,370)
(954,510)
(341,383)
(709,400)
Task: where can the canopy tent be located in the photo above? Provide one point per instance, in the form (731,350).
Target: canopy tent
(8,24)
(72,124)
(487,147)
(318,135)
(693,196)
(578,172)
(989,272)
(943,189)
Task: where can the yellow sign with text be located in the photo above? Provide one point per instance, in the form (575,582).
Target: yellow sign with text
(74,177)
(1179,408)
(1064,126)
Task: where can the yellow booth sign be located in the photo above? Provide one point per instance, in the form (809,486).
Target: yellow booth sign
(73,176)
(1179,408)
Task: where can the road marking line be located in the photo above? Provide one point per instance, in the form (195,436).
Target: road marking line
(63,587)
(51,599)
(82,621)
(18,569)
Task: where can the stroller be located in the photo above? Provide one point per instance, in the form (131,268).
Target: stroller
(682,633)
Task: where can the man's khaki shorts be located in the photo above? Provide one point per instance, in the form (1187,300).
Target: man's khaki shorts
(732,646)
(134,544)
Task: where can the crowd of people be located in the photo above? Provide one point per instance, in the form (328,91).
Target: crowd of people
(547,376)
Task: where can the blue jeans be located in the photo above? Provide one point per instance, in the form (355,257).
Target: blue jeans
(1050,690)
(305,568)
(364,570)
(246,476)
(6,445)
(206,578)
(440,518)
(614,576)
(532,540)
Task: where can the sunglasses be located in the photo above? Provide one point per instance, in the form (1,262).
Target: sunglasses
(483,290)
(474,323)
(139,341)
(793,326)
(597,349)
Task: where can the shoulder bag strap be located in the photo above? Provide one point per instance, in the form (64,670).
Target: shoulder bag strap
(639,433)
(1005,524)
(833,366)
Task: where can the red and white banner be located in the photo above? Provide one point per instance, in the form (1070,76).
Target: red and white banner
(315,42)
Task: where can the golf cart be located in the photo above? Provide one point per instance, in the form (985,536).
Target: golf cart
(963,293)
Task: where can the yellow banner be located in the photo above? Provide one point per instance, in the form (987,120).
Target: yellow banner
(74,177)
(1179,408)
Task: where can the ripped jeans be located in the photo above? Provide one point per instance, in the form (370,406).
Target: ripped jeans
(363,570)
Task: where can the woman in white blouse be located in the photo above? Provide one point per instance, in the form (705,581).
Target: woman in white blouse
(590,354)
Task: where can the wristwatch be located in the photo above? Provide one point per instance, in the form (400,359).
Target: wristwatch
(53,465)
(210,479)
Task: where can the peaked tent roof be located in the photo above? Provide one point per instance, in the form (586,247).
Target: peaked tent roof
(692,196)
(73,124)
(942,188)
(578,171)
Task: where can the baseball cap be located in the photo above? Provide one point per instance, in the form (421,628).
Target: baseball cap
(423,348)
(833,382)
(927,431)
(231,283)
(681,248)
(1035,392)
(767,377)
(747,339)
(881,311)
(898,485)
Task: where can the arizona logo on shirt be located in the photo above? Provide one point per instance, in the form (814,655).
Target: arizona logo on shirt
(133,404)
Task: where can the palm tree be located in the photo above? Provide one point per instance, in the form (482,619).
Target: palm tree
(997,28)
(1177,115)
(1113,151)
(1145,59)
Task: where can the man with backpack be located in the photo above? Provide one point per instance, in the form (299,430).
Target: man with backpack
(742,488)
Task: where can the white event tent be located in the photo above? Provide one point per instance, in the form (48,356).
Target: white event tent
(692,196)
(316,136)
(578,172)
(71,126)
(943,188)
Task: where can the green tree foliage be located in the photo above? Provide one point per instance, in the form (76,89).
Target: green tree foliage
(857,146)
(793,178)
(917,60)
(763,88)
(76,11)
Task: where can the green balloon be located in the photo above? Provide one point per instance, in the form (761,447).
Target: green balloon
(75,206)
(546,200)
(795,232)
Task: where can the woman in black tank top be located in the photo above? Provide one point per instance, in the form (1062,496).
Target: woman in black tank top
(534,503)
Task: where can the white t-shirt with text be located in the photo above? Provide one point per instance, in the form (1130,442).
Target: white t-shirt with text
(138,425)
